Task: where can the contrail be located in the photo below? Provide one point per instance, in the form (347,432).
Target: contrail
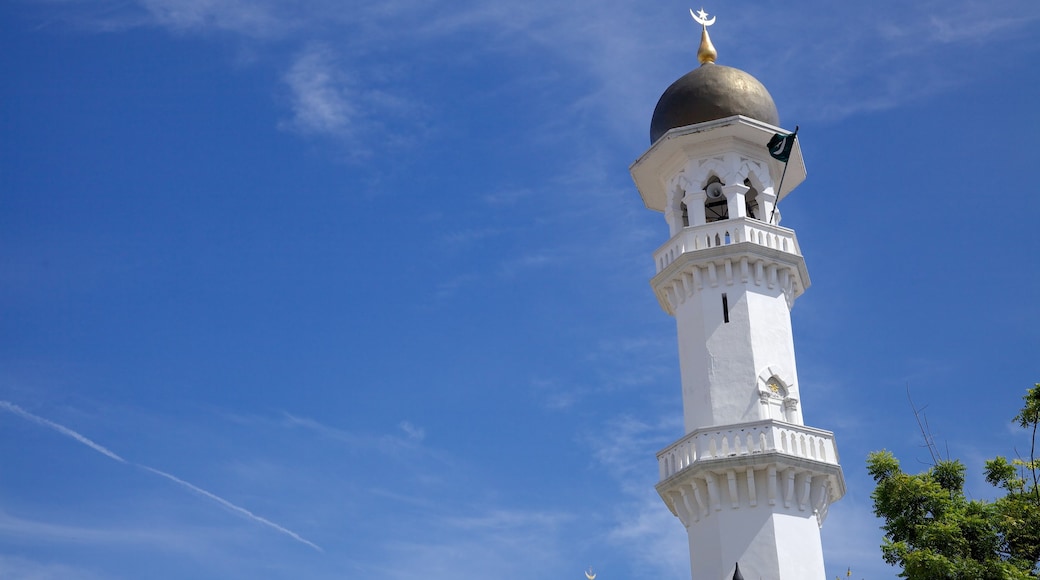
(60,429)
(11,407)
(234,507)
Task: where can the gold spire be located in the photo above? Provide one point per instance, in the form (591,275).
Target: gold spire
(706,51)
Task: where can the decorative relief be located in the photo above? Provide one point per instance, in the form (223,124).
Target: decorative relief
(701,496)
(685,283)
(772,388)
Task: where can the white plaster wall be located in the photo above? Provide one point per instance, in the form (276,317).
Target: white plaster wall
(769,541)
(720,363)
(772,340)
(696,320)
(799,549)
(768,546)
(717,543)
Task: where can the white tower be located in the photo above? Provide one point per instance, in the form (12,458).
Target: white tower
(749,481)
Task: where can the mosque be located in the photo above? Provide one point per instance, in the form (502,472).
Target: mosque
(749,481)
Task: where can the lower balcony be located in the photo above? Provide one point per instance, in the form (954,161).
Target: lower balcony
(746,439)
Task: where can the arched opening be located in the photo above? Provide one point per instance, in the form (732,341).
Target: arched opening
(751,200)
(715,205)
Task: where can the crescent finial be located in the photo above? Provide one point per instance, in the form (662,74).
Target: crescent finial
(701,17)
(706,51)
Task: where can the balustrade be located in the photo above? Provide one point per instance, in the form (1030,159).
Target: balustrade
(724,233)
(748,439)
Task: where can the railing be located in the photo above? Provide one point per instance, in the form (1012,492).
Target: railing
(747,439)
(723,233)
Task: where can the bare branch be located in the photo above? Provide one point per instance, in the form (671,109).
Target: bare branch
(926,431)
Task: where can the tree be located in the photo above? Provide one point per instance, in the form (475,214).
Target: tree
(934,532)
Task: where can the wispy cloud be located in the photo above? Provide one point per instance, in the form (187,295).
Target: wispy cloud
(514,543)
(448,288)
(557,395)
(26,569)
(15,409)
(506,197)
(333,96)
(385,443)
(192,541)
(652,536)
(414,433)
(322,98)
(612,366)
(470,235)
(899,53)
(251,18)
(618,55)
(507,519)
(12,408)
(237,509)
(629,445)
(531,261)
(643,526)
(341,435)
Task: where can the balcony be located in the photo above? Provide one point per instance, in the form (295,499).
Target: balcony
(747,439)
(724,233)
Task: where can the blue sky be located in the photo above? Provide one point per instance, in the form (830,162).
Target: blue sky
(335,290)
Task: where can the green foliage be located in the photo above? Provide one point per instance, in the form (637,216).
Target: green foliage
(1029,416)
(934,532)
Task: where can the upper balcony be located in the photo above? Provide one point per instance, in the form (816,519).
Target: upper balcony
(726,232)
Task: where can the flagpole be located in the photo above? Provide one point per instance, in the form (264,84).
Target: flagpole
(782,176)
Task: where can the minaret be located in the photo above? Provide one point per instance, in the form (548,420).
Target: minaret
(749,481)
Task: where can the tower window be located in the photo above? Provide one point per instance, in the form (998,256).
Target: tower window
(725,308)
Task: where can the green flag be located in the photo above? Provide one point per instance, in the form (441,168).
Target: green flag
(780,145)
